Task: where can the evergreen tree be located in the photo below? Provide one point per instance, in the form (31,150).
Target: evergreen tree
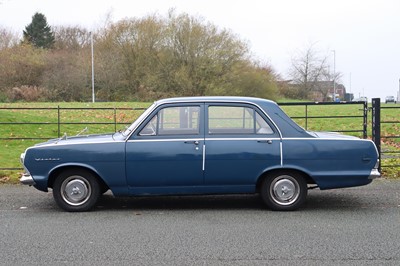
(38,33)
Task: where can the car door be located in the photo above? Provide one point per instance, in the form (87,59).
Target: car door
(166,151)
(241,143)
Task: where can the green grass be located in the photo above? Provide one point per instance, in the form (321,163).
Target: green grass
(11,149)
(322,117)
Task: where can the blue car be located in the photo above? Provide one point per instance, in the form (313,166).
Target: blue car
(201,145)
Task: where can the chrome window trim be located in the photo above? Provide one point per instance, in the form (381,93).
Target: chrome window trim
(199,101)
(158,104)
(253,104)
(153,107)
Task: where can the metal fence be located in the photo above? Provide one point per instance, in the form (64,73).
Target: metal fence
(361,114)
(59,121)
(381,134)
(304,114)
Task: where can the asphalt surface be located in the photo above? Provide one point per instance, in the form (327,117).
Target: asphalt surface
(356,226)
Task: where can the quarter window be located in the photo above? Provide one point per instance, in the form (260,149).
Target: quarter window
(236,120)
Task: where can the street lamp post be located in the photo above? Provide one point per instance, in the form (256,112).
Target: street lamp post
(334,75)
(91,42)
(398,94)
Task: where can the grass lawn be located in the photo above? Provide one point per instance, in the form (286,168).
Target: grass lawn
(47,127)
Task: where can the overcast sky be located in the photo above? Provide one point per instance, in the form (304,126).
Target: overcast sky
(364,34)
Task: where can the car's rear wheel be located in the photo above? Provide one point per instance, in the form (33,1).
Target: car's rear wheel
(284,191)
(76,190)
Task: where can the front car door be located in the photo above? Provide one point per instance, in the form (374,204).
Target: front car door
(165,154)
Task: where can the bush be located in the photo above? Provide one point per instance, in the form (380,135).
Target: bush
(27,93)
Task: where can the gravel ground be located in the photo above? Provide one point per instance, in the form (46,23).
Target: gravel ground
(356,226)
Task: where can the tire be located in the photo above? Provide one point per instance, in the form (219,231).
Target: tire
(76,190)
(284,191)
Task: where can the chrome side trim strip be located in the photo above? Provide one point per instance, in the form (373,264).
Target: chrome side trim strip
(163,140)
(281,152)
(204,157)
(197,139)
(75,143)
(239,139)
(312,138)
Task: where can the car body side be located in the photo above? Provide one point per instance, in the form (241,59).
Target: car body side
(327,160)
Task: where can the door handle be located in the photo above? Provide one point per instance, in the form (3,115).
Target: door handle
(265,141)
(195,142)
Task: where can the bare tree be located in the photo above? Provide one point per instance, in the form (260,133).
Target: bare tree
(8,39)
(71,38)
(307,69)
(325,85)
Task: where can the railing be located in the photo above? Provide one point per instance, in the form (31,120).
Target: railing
(379,133)
(363,116)
(59,122)
(57,118)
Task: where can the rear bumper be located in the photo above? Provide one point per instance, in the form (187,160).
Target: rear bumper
(374,174)
(26,179)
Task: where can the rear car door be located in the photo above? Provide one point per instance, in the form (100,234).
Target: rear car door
(241,143)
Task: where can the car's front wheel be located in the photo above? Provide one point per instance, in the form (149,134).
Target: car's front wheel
(284,191)
(76,190)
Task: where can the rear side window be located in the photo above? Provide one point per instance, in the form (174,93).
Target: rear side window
(236,120)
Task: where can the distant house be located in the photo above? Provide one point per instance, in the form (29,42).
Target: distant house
(321,90)
(324,91)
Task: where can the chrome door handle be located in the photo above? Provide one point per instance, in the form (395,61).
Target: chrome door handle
(195,142)
(265,141)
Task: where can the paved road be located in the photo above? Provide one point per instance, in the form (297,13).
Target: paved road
(357,226)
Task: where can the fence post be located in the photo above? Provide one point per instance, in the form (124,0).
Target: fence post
(306,117)
(376,126)
(365,133)
(115,119)
(58,121)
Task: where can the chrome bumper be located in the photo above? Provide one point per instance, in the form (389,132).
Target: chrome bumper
(374,174)
(26,179)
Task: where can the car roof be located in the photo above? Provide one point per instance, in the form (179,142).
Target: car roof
(216,99)
(286,126)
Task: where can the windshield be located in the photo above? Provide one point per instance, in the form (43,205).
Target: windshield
(128,131)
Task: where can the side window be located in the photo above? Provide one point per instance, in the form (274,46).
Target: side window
(236,120)
(174,121)
(262,126)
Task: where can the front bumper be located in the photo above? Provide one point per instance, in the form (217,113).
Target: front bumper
(26,179)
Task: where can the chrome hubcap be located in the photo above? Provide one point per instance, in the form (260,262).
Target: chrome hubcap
(284,190)
(75,190)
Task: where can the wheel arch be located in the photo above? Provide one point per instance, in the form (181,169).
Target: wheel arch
(270,172)
(56,171)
